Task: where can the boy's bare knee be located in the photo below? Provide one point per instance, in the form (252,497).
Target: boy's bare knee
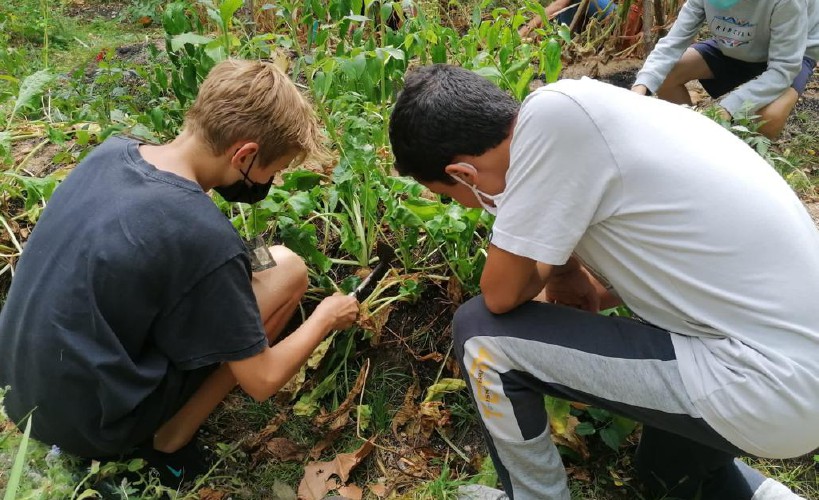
(296,270)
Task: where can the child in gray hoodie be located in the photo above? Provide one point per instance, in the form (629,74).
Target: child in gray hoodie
(762,55)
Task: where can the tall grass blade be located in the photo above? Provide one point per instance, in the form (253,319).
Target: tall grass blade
(17,468)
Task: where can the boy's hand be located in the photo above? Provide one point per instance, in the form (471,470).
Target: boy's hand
(338,310)
(640,89)
(574,288)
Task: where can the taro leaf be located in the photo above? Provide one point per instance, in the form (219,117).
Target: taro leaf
(30,88)
(19,462)
(307,405)
(444,386)
(179,41)
(553,62)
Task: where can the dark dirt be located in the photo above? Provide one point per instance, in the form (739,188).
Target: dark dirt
(92,10)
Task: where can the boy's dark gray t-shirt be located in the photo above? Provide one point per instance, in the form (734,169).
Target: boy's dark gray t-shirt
(132,286)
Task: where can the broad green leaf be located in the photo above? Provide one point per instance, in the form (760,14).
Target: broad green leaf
(490,72)
(30,88)
(227,9)
(585,429)
(179,41)
(611,437)
(553,62)
(19,461)
(444,386)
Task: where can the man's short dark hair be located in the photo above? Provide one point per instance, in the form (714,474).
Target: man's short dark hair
(445,111)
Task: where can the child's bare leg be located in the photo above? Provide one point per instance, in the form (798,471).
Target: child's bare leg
(691,66)
(278,291)
(775,115)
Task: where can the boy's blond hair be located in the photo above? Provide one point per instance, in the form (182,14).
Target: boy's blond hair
(255,101)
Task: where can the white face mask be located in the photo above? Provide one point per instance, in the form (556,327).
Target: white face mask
(480,195)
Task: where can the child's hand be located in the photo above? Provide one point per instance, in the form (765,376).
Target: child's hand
(338,310)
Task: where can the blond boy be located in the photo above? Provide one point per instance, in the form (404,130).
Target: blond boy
(134,311)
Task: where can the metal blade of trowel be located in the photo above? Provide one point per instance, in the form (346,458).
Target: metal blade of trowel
(386,255)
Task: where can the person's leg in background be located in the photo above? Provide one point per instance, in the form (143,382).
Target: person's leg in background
(510,361)
(775,115)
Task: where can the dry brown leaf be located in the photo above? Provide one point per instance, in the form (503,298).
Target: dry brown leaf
(211,494)
(579,473)
(265,434)
(455,291)
(378,489)
(571,439)
(345,406)
(316,481)
(407,410)
(284,450)
(329,438)
(375,323)
(351,492)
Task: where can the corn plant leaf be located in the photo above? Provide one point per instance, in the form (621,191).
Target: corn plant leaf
(19,461)
(32,86)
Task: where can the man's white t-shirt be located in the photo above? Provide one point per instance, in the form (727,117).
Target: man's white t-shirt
(695,232)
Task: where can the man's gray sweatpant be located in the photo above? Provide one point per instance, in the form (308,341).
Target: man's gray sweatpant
(622,365)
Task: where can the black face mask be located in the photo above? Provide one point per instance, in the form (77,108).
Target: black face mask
(245,190)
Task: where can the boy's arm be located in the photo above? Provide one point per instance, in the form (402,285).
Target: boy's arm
(789,38)
(264,374)
(509,280)
(670,48)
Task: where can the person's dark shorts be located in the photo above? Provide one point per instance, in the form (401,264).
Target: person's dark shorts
(174,391)
(730,73)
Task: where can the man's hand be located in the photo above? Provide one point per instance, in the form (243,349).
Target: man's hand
(640,89)
(574,288)
(338,311)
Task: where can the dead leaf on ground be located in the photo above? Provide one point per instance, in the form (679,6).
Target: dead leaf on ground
(569,438)
(375,323)
(455,291)
(346,405)
(280,450)
(317,475)
(407,410)
(211,494)
(378,489)
(265,434)
(351,492)
(329,439)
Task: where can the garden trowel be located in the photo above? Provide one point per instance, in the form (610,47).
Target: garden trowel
(385,255)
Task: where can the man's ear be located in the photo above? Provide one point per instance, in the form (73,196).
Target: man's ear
(464,172)
(243,153)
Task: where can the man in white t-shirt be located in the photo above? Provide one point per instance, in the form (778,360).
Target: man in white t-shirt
(603,196)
